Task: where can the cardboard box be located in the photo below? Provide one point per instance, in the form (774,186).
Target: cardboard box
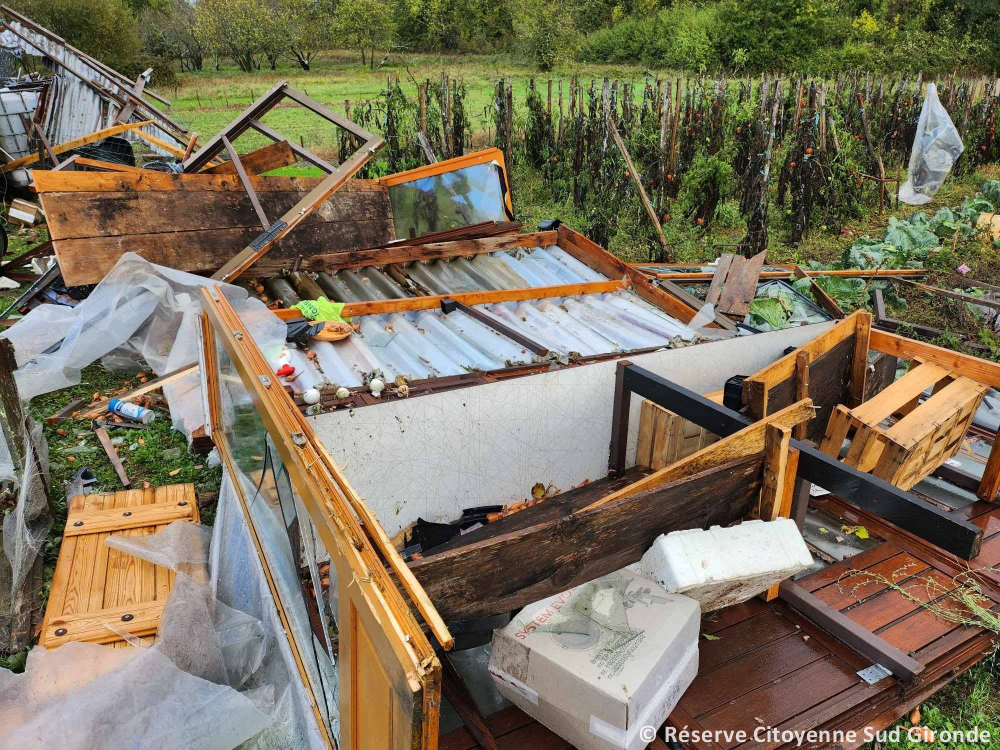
(599,662)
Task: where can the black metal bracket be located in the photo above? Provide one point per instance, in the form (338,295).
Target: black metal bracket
(900,508)
(450,305)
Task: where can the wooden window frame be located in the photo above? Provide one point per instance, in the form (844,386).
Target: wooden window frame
(453,165)
(351,534)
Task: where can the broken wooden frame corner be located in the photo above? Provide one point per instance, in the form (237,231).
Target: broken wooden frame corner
(273,231)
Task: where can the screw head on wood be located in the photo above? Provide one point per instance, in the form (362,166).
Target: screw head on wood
(60,631)
(78,523)
(127,617)
(127,513)
(182,503)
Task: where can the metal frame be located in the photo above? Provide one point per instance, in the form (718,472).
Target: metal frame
(900,508)
(336,175)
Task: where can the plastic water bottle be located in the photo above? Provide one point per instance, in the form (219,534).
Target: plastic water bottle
(131,411)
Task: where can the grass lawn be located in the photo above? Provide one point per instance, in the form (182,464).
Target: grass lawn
(206,100)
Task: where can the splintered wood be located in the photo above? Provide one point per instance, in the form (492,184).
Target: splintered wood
(97,592)
(734,284)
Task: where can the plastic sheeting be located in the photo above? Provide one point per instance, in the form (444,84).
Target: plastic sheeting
(936,147)
(237,579)
(179,693)
(140,312)
(25,528)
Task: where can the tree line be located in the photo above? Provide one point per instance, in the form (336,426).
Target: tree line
(703,36)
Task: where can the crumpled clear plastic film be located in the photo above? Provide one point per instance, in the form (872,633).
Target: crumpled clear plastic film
(25,528)
(179,693)
(83,695)
(199,634)
(139,312)
(238,580)
(936,147)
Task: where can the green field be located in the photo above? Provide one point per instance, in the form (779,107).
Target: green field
(205,101)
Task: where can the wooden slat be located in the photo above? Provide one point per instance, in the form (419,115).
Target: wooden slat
(980,370)
(92,627)
(101,407)
(62,148)
(98,521)
(747,441)
(407,304)
(825,300)
(784,368)
(859,367)
(899,393)
(718,279)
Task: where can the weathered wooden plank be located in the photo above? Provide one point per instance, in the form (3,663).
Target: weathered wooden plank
(274,156)
(740,285)
(109,214)
(98,521)
(87,261)
(93,627)
(510,570)
(53,181)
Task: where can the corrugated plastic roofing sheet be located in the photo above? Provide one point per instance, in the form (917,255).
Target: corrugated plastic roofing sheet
(428,343)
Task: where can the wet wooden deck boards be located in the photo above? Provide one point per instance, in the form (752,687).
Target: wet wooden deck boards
(771,666)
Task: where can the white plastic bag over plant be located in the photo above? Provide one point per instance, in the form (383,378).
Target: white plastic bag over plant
(936,148)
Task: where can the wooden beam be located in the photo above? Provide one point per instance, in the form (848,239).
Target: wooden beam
(237,164)
(136,128)
(107,166)
(801,388)
(62,148)
(591,254)
(331,184)
(980,370)
(954,295)
(825,300)
(634,173)
(274,156)
(693,302)
(748,440)
(302,153)
(456,692)
(989,486)
(450,305)
(784,368)
(859,365)
(777,438)
(845,274)
(100,407)
(557,544)
(844,629)
(409,304)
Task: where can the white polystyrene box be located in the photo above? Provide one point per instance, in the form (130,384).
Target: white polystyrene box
(599,662)
(724,566)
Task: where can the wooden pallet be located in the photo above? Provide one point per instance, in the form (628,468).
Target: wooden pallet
(926,435)
(95,586)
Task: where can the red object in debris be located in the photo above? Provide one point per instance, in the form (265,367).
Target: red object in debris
(284,371)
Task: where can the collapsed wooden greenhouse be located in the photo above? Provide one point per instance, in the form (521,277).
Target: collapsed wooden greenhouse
(495,371)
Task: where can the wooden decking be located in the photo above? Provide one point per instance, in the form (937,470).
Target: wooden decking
(773,667)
